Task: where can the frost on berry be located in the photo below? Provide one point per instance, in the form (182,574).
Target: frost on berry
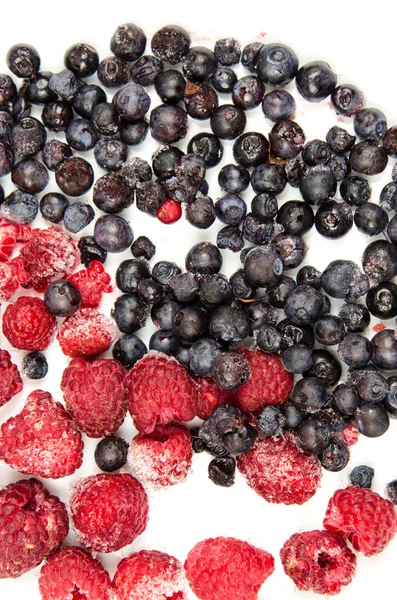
(32,525)
(42,439)
(10,234)
(50,254)
(163,457)
(28,325)
(12,275)
(86,334)
(108,511)
(225,568)
(91,283)
(10,379)
(73,573)
(150,575)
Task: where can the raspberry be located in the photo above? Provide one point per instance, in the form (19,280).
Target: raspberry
(150,575)
(269,383)
(42,439)
(109,511)
(32,525)
(160,390)
(162,458)
(279,472)
(73,573)
(28,325)
(350,434)
(10,234)
(91,282)
(210,396)
(319,561)
(12,275)
(50,254)
(225,568)
(95,395)
(169,212)
(363,517)
(10,379)
(87,333)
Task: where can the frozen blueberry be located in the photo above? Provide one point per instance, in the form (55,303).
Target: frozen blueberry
(130,313)
(368,158)
(347,100)
(110,154)
(251,149)
(113,233)
(184,286)
(268,338)
(372,420)
(370,124)
(278,105)
(164,341)
(214,290)
(128,42)
(270,421)
(276,64)
(34,365)
(371,219)
(228,121)
(229,324)
(304,305)
(89,250)
(318,185)
(20,206)
(345,400)
(372,386)
(230,371)
(263,266)
(111,453)
(222,470)
(325,366)
(313,436)
(286,139)
(297,359)
(202,355)
(128,349)
(62,298)
(355,350)
(344,279)
(296,217)
(315,81)
(201,213)
(336,456)
(204,259)
(355,317)
(309,394)
(362,476)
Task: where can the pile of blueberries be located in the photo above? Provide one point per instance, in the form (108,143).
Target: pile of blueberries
(201,314)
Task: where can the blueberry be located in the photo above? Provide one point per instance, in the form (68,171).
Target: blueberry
(269,178)
(371,219)
(227,51)
(223,79)
(74,176)
(297,359)
(112,194)
(309,275)
(295,217)
(228,121)
(251,149)
(313,436)
(38,91)
(230,371)
(57,115)
(34,365)
(113,72)
(304,305)
(229,324)
(263,266)
(231,209)
(214,290)
(276,64)
(295,169)
(200,100)
(190,324)
(184,286)
(165,161)
(133,133)
(318,185)
(278,105)
(385,350)
(339,166)
(255,231)
(391,491)
(128,350)
(240,287)
(309,394)
(336,456)
(291,248)
(53,206)
(130,313)
(234,178)
(326,366)
(345,400)
(382,300)
(201,212)
(380,261)
(77,216)
(199,64)
(23,60)
(334,219)
(27,137)
(247,92)
(372,386)
(113,233)
(279,292)
(344,279)
(130,273)
(81,59)
(347,100)
(368,158)
(164,341)
(164,271)
(149,290)
(171,43)
(168,124)
(372,420)
(362,476)
(390,402)
(339,140)
(143,248)
(222,470)
(286,139)
(20,206)
(150,195)
(111,453)
(204,259)
(105,119)
(260,313)
(268,338)
(197,444)
(208,146)
(388,196)
(110,154)
(355,350)
(328,330)
(202,355)
(292,414)
(86,98)
(55,152)
(128,42)
(264,207)
(370,124)
(8,90)
(295,334)
(30,175)
(250,54)
(355,317)
(270,421)
(62,298)
(315,81)
(89,250)
(389,142)
(316,152)
(170,86)
(131,102)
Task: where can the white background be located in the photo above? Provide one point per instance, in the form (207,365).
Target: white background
(358,40)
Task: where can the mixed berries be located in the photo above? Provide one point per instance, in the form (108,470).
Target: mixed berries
(255,358)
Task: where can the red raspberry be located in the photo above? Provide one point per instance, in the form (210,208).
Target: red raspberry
(210,396)
(50,254)
(12,275)
(350,435)
(42,439)
(269,383)
(319,561)
(225,568)
(150,575)
(109,511)
(169,212)
(10,234)
(10,379)
(87,333)
(160,390)
(162,458)
(28,325)
(279,472)
(91,282)
(95,395)
(363,517)
(32,525)
(73,573)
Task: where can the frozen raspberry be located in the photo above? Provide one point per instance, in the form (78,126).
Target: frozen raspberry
(10,379)
(28,325)
(279,472)
(73,573)
(169,212)
(95,395)
(32,525)
(318,561)
(10,234)
(160,390)
(150,575)
(87,333)
(163,457)
(269,383)
(12,275)
(50,254)
(109,511)
(91,283)
(210,396)
(363,517)
(225,568)
(350,434)
(42,439)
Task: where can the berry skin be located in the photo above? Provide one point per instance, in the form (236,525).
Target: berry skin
(95,395)
(28,325)
(72,572)
(50,254)
(362,476)
(169,212)
(363,517)
(160,390)
(150,575)
(162,458)
(111,453)
(247,569)
(87,333)
(91,283)
(108,511)
(42,439)
(279,472)
(33,524)
(319,561)
(270,383)
(210,396)
(10,379)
